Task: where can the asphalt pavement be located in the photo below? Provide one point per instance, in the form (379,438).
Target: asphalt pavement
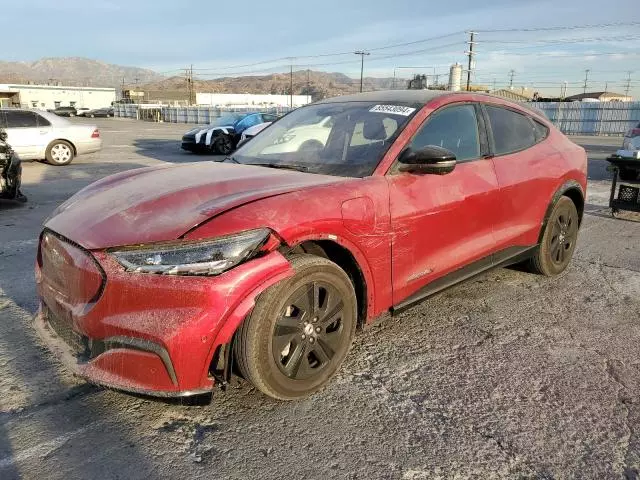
(509,375)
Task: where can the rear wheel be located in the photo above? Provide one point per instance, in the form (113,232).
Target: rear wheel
(558,241)
(300,330)
(222,144)
(628,175)
(59,153)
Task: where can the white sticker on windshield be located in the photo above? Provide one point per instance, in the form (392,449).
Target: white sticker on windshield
(393,109)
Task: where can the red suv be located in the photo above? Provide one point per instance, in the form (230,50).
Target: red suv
(166,280)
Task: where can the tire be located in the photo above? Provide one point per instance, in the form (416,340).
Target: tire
(222,145)
(59,153)
(628,175)
(288,348)
(559,239)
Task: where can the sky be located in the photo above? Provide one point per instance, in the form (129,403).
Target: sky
(231,37)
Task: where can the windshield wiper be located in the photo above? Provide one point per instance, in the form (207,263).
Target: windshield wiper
(284,166)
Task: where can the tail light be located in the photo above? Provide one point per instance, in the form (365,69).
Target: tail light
(95,134)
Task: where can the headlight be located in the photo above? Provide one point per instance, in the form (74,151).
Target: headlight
(209,257)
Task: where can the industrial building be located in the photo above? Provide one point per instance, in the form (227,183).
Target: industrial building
(248,99)
(599,97)
(53,96)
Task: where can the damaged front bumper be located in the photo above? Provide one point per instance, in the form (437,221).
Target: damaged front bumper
(143,333)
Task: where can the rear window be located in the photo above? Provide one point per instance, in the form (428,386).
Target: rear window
(20,119)
(541,131)
(512,131)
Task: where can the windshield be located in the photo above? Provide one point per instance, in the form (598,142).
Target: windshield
(226,120)
(345,139)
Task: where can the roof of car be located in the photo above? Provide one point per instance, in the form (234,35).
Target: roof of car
(420,97)
(404,96)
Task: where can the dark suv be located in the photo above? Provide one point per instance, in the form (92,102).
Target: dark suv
(65,111)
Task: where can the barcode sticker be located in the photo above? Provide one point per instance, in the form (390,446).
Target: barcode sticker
(393,109)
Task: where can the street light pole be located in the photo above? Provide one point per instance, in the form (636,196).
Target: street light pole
(362,53)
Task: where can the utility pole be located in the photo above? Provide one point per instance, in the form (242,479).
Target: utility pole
(188,73)
(563,89)
(470,55)
(494,84)
(291,86)
(512,74)
(362,53)
(586,78)
(628,86)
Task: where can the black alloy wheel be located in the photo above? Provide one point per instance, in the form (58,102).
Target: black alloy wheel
(223,144)
(559,239)
(310,330)
(299,331)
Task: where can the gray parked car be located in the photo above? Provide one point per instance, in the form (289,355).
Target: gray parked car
(38,135)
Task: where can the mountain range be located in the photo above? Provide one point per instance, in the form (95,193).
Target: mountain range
(76,71)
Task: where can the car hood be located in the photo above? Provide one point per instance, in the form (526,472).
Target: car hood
(158,204)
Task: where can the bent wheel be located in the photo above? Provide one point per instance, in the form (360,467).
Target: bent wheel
(300,330)
(558,241)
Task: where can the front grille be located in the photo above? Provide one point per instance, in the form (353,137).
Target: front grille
(78,343)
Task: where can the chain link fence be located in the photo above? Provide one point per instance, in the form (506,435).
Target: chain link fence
(195,115)
(587,118)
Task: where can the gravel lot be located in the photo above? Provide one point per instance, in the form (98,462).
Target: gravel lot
(509,375)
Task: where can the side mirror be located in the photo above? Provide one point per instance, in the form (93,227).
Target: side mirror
(428,160)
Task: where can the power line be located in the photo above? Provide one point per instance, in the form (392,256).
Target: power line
(549,29)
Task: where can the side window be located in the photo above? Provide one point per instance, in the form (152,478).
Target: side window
(249,121)
(266,117)
(454,128)
(541,131)
(21,119)
(42,122)
(512,131)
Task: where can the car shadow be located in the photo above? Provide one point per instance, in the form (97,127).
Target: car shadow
(170,151)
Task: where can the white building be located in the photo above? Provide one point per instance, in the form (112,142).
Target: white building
(52,96)
(249,99)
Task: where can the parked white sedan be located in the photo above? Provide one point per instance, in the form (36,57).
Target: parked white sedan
(37,135)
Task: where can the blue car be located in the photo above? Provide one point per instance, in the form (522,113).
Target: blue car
(223,134)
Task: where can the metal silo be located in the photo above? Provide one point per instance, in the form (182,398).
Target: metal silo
(455,77)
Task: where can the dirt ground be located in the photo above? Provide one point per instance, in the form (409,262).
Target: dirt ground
(509,375)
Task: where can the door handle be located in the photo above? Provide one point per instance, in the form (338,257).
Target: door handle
(43,132)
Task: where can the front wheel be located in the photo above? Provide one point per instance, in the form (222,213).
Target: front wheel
(300,330)
(558,240)
(59,153)
(222,145)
